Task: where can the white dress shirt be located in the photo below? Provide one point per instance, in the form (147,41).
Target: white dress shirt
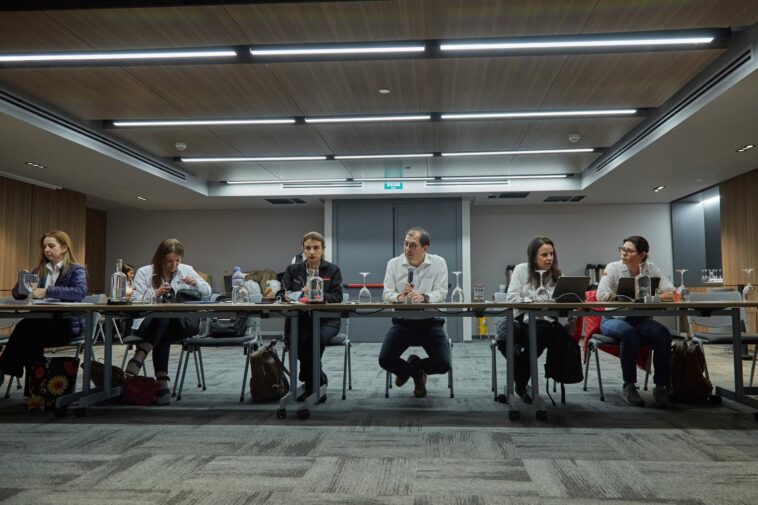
(521,289)
(143,282)
(429,278)
(53,272)
(609,281)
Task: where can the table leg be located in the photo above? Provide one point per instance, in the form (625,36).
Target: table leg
(513,413)
(539,403)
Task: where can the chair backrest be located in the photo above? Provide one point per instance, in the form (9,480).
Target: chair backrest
(721,324)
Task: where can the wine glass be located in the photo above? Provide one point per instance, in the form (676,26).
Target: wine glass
(364,295)
(748,291)
(457,295)
(31,282)
(541,291)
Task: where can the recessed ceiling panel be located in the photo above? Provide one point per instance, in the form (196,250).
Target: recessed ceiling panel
(596,132)
(469,165)
(551,164)
(457,136)
(279,140)
(396,138)
(36,32)
(162,141)
(390,168)
(307,169)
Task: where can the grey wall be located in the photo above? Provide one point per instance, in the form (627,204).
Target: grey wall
(214,241)
(582,234)
(712,220)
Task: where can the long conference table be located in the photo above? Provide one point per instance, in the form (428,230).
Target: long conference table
(89,395)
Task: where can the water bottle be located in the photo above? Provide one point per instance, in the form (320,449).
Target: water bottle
(238,279)
(118,282)
(315,289)
(642,283)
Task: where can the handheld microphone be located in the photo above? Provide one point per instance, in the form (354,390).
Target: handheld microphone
(410,276)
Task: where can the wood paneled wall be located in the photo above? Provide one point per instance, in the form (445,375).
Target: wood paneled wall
(95,248)
(739,230)
(26,213)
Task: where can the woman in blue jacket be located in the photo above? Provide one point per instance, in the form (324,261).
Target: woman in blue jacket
(60,277)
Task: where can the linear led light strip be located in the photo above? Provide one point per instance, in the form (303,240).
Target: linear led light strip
(250,158)
(530,151)
(325,50)
(452,179)
(568,44)
(378,118)
(107,56)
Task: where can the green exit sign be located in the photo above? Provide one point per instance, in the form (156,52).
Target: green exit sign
(393,186)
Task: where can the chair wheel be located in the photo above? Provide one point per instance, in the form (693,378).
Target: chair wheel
(503,399)
(61,411)
(281,413)
(542,415)
(514,415)
(714,399)
(303,414)
(80,412)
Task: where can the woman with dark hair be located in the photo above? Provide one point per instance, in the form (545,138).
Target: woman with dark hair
(632,332)
(154,283)
(533,281)
(60,277)
(129,271)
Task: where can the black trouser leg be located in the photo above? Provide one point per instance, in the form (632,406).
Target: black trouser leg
(28,342)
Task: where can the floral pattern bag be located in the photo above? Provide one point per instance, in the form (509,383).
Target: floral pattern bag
(49,379)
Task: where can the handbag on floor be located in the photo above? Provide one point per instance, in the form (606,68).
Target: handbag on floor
(688,381)
(268,376)
(48,379)
(97,374)
(140,390)
(564,360)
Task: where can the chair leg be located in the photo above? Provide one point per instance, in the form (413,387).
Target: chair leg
(197,368)
(587,367)
(184,373)
(344,370)
(178,370)
(126,355)
(450,372)
(493,387)
(387,379)
(349,366)
(649,365)
(752,368)
(245,351)
(8,389)
(202,368)
(599,376)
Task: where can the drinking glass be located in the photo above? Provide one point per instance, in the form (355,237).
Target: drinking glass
(457,294)
(149,296)
(748,292)
(364,295)
(31,282)
(703,275)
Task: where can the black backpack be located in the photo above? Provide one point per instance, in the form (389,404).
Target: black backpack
(688,381)
(564,361)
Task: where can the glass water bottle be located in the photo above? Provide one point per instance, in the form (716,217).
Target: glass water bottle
(315,289)
(118,282)
(642,283)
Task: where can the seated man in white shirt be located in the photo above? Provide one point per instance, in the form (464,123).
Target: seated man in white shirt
(428,283)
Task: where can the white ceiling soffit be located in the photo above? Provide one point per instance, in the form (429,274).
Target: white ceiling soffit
(690,142)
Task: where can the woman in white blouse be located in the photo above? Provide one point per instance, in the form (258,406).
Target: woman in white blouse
(157,282)
(632,332)
(527,285)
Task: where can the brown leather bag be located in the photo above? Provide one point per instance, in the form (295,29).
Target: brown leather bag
(268,376)
(688,381)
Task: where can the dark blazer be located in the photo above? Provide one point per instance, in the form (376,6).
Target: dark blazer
(296,274)
(71,286)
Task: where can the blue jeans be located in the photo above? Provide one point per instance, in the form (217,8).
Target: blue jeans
(632,332)
(427,333)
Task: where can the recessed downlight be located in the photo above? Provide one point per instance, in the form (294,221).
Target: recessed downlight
(142,198)
(384,91)
(745,148)
(35,165)
(658,189)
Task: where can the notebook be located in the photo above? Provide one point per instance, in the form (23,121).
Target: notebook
(570,289)
(625,291)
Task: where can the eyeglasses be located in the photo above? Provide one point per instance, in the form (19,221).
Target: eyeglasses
(623,250)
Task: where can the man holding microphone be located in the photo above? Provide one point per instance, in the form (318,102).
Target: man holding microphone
(415,277)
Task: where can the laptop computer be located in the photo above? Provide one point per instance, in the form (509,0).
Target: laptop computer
(570,289)
(625,291)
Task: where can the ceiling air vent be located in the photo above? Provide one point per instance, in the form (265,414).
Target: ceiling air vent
(513,194)
(564,198)
(284,201)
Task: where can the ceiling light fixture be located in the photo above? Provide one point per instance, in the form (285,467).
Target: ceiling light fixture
(658,189)
(539,114)
(35,165)
(577,42)
(528,151)
(381,156)
(116,56)
(369,119)
(252,159)
(499,177)
(714,199)
(320,185)
(204,122)
(142,198)
(443,182)
(745,148)
(336,50)
(455,179)
(384,91)
(293,181)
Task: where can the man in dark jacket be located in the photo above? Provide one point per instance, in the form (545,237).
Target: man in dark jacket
(296,280)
